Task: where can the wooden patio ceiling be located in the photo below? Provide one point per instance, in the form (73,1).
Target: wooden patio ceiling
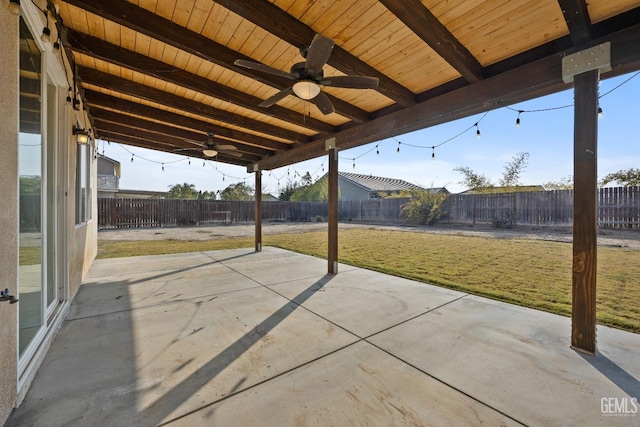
(161,74)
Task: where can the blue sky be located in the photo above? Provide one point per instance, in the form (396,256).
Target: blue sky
(546,135)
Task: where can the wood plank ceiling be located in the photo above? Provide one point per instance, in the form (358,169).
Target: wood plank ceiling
(161,74)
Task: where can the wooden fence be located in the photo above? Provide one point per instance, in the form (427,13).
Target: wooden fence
(617,208)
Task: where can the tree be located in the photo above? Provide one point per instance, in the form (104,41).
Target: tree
(318,191)
(182,191)
(473,180)
(206,195)
(239,191)
(626,178)
(424,207)
(288,190)
(510,177)
(565,183)
(513,170)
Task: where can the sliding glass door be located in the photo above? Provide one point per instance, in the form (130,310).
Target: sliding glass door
(39,211)
(30,168)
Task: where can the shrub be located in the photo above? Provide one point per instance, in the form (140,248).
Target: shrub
(424,207)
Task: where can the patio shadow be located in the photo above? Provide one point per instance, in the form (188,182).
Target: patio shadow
(627,382)
(161,408)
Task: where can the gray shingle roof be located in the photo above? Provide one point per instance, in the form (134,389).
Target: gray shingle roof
(379,183)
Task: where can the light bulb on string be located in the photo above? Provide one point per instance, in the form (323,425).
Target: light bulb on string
(189,160)
(132,158)
(354,163)
(377,151)
(163,167)
(398,149)
(518,118)
(203,163)
(433,153)
(600,112)
(222,177)
(477,130)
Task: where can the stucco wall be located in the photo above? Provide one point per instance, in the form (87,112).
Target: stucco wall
(351,191)
(83,239)
(9,212)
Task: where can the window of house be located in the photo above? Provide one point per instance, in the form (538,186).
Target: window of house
(83,183)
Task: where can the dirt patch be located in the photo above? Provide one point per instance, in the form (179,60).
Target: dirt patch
(606,237)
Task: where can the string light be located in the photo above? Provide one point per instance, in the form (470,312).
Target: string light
(204,163)
(354,163)
(433,153)
(518,118)
(477,130)
(46,32)
(398,149)
(132,158)
(377,150)
(189,160)
(163,167)
(600,112)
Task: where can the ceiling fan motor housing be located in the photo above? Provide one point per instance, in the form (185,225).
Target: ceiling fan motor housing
(299,72)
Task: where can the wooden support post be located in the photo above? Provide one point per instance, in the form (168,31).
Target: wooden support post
(258,210)
(583,311)
(332,216)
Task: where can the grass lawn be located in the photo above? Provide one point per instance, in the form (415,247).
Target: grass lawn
(531,273)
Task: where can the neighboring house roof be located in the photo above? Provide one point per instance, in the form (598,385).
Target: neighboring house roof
(379,183)
(116,164)
(511,189)
(102,156)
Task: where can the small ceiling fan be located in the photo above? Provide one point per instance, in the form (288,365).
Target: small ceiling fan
(210,148)
(308,76)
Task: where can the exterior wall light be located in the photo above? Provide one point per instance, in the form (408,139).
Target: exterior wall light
(82,136)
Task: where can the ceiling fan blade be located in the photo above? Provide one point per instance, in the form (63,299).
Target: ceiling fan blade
(256,66)
(226,147)
(175,150)
(231,153)
(275,98)
(323,103)
(319,52)
(352,82)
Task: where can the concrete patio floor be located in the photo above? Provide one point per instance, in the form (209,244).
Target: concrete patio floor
(236,338)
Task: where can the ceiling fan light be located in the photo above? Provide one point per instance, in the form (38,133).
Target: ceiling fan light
(209,152)
(306,89)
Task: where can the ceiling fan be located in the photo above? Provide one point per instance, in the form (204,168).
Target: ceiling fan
(210,148)
(308,76)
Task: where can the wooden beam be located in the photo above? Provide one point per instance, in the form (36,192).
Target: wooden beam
(426,26)
(207,87)
(576,15)
(585,172)
(97,99)
(276,21)
(258,212)
(142,128)
(539,78)
(332,216)
(152,145)
(148,23)
(171,135)
(97,48)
